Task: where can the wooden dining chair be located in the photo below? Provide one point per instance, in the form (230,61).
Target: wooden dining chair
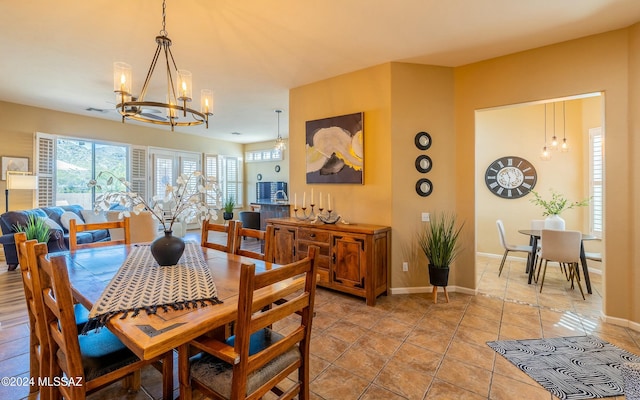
(257,359)
(92,360)
(228,230)
(265,237)
(562,247)
(509,247)
(39,355)
(74,228)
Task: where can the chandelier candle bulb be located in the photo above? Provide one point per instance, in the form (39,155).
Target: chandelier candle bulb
(122,78)
(206,101)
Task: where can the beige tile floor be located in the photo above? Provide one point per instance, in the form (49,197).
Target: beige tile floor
(406,347)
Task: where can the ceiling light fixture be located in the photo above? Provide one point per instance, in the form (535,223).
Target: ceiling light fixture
(546,154)
(564,147)
(554,139)
(175,107)
(280,145)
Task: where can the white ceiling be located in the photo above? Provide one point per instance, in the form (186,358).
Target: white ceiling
(59,54)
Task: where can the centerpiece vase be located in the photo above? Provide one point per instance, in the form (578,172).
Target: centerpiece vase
(167,249)
(554,221)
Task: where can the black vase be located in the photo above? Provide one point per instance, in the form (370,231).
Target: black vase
(227,215)
(167,249)
(438,276)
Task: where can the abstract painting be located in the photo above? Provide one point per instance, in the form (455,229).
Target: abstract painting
(20,164)
(334,149)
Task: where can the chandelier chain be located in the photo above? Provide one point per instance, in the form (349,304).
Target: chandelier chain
(163,32)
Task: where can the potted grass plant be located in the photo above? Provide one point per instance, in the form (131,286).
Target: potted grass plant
(35,228)
(228,207)
(440,242)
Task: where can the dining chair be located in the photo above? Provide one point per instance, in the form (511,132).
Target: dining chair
(74,228)
(509,247)
(229,230)
(266,237)
(257,359)
(562,247)
(94,359)
(39,354)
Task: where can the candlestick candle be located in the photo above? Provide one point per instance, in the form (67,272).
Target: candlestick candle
(304,199)
(320,199)
(311,195)
(295,201)
(329,200)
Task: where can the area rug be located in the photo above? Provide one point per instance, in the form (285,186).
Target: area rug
(575,367)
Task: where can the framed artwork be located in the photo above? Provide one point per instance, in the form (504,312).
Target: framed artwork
(335,149)
(14,164)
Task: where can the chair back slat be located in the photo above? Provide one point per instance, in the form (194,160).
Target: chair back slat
(228,229)
(265,236)
(74,228)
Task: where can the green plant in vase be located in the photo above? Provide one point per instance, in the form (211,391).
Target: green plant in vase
(554,207)
(440,242)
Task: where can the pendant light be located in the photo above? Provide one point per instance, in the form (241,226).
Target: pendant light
(564,147)
(554,138)
(546,154)
(279,141)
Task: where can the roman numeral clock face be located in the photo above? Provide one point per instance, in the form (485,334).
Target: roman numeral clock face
(510,177)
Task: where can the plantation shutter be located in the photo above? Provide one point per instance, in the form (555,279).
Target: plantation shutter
(45,169)
(211,171)
(139,168)
(596,160)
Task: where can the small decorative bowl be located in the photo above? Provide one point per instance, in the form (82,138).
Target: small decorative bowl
(329,219)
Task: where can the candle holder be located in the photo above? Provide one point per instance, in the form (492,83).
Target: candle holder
(304,216)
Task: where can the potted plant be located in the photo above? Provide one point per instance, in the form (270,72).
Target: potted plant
(554,207)
(36,228)
(439,240)
(229,204)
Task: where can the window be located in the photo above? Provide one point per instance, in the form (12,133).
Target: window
(65,166)
(596,174)
(227,171)
(263,155)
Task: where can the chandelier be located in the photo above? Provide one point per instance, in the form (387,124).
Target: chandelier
(178,94)
(280,145)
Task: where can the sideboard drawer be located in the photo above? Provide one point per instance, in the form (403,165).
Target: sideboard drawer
(314,235)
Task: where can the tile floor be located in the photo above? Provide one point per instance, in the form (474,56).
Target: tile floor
(406,347)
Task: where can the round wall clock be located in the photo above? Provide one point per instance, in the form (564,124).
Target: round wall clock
(423,140)
(423,163)
(424,187)
(510,177)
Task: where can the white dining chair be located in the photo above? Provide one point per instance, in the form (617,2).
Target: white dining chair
(509,247)
(562,247)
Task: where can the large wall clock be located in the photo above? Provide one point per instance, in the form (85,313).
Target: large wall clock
(510,177)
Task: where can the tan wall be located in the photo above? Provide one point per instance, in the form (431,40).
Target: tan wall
(633,241)
(18,125)
(596,63)
(421,100)
(265,168)
(368,91)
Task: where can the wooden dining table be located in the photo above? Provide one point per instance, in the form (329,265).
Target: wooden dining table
(148,336)
(535,235)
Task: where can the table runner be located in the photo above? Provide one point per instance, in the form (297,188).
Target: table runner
(141,284)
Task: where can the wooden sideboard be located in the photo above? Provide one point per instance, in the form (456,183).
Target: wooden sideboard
(354,258)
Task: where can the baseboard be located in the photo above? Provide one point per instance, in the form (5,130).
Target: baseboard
(625,323)
(429,289)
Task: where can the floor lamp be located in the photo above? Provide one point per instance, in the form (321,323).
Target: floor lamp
(19,181)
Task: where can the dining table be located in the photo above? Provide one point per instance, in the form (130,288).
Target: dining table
(150,335)
(535,234)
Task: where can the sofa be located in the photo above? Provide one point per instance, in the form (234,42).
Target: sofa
(58,220)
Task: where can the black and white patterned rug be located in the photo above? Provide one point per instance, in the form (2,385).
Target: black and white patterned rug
(575,367)
(141,284)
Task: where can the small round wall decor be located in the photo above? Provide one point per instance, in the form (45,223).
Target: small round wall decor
(423,163)
(424,187)
(423,140)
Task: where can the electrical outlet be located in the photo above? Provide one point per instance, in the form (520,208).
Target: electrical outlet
(425,217)
(405,266)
